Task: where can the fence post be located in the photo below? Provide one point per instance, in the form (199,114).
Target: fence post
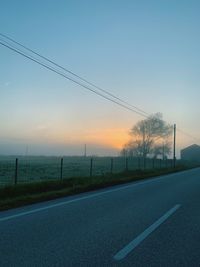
(61,169)
(16,170)
(126,162)
(91,166)
(111,165)
(153,163)
(139,167)
(144,163)
(166,163)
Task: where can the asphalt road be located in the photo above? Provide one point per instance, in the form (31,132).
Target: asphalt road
(150,223)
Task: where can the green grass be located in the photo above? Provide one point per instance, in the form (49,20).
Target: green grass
(23,194)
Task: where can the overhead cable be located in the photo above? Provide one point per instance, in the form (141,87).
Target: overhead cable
(73,73)
(69,78)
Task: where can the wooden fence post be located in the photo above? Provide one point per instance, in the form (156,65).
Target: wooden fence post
(139,167)
(91,166)
(61,169)
(16,170)
(153,163)
(111,165)
(126,166)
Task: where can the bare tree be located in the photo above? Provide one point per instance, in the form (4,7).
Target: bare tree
(147,134)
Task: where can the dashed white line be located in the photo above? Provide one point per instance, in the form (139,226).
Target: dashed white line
(135,242)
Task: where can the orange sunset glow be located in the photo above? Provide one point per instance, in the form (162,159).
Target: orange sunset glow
(110,137)
(114,138)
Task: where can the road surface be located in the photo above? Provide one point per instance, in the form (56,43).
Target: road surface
(154,222)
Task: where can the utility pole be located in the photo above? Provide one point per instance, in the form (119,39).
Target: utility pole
(144,147)
(85,151)
(174,158)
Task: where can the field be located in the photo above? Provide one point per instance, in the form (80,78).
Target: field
(40,168)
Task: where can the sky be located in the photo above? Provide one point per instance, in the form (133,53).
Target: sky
(145,52)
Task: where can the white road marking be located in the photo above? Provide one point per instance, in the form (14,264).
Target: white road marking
(20,214)
(135,242)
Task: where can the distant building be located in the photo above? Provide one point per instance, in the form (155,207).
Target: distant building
(191,153)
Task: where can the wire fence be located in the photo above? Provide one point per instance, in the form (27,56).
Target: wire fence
(32,169)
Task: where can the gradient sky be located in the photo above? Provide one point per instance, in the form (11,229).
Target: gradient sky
(146,52)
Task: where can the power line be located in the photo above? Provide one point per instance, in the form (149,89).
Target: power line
(130,107)
(188,135)
(74,74)
(65,76)
(28,55)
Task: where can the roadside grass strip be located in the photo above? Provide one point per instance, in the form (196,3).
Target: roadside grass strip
(29,193)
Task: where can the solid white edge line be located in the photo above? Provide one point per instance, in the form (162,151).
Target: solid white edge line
(136,183)
(135,242)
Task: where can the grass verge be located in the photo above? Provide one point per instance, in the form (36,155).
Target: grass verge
(24,194)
